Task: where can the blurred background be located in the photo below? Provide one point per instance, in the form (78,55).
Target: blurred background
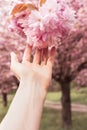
(66,103)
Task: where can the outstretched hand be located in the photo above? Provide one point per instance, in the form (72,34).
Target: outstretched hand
(34,79)
(39,70)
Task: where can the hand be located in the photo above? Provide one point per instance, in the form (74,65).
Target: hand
(34,80)
(39,71)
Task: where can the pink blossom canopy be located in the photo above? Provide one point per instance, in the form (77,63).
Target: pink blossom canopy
(45,26)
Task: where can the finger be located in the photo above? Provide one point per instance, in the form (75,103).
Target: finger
(37,56)
(27,53)
(14,58)
(51,57)
(14,62)
(44,56)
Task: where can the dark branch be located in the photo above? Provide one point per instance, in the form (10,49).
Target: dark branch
(79,69)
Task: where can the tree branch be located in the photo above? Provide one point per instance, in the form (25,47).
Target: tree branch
(79,69)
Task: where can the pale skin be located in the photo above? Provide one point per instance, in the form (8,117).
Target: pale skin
(26,108)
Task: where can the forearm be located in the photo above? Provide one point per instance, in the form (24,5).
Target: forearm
(35,107)
(26,108)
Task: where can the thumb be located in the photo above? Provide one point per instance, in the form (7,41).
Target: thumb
(14,60)
(15,65)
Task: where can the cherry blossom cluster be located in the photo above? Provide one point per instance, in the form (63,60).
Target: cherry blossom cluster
(45,26)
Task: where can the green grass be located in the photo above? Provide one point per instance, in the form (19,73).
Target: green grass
(53,96)
(3,110)
(77,96)
(51,120)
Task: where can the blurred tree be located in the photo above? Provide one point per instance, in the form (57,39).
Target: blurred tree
(7,80)
(71,60)
(8,42)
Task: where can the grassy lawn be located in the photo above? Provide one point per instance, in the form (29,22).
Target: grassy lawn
(3,110)
(53,96)
(77,96)
(51,119)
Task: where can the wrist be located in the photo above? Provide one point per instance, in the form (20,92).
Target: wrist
(34,88)
(36,97)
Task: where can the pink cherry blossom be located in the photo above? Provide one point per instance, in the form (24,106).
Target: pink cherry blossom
(47,25)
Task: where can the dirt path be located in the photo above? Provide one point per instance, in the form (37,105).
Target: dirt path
(74,107)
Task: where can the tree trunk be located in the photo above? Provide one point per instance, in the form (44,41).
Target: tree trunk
(4,98)
(66,105)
